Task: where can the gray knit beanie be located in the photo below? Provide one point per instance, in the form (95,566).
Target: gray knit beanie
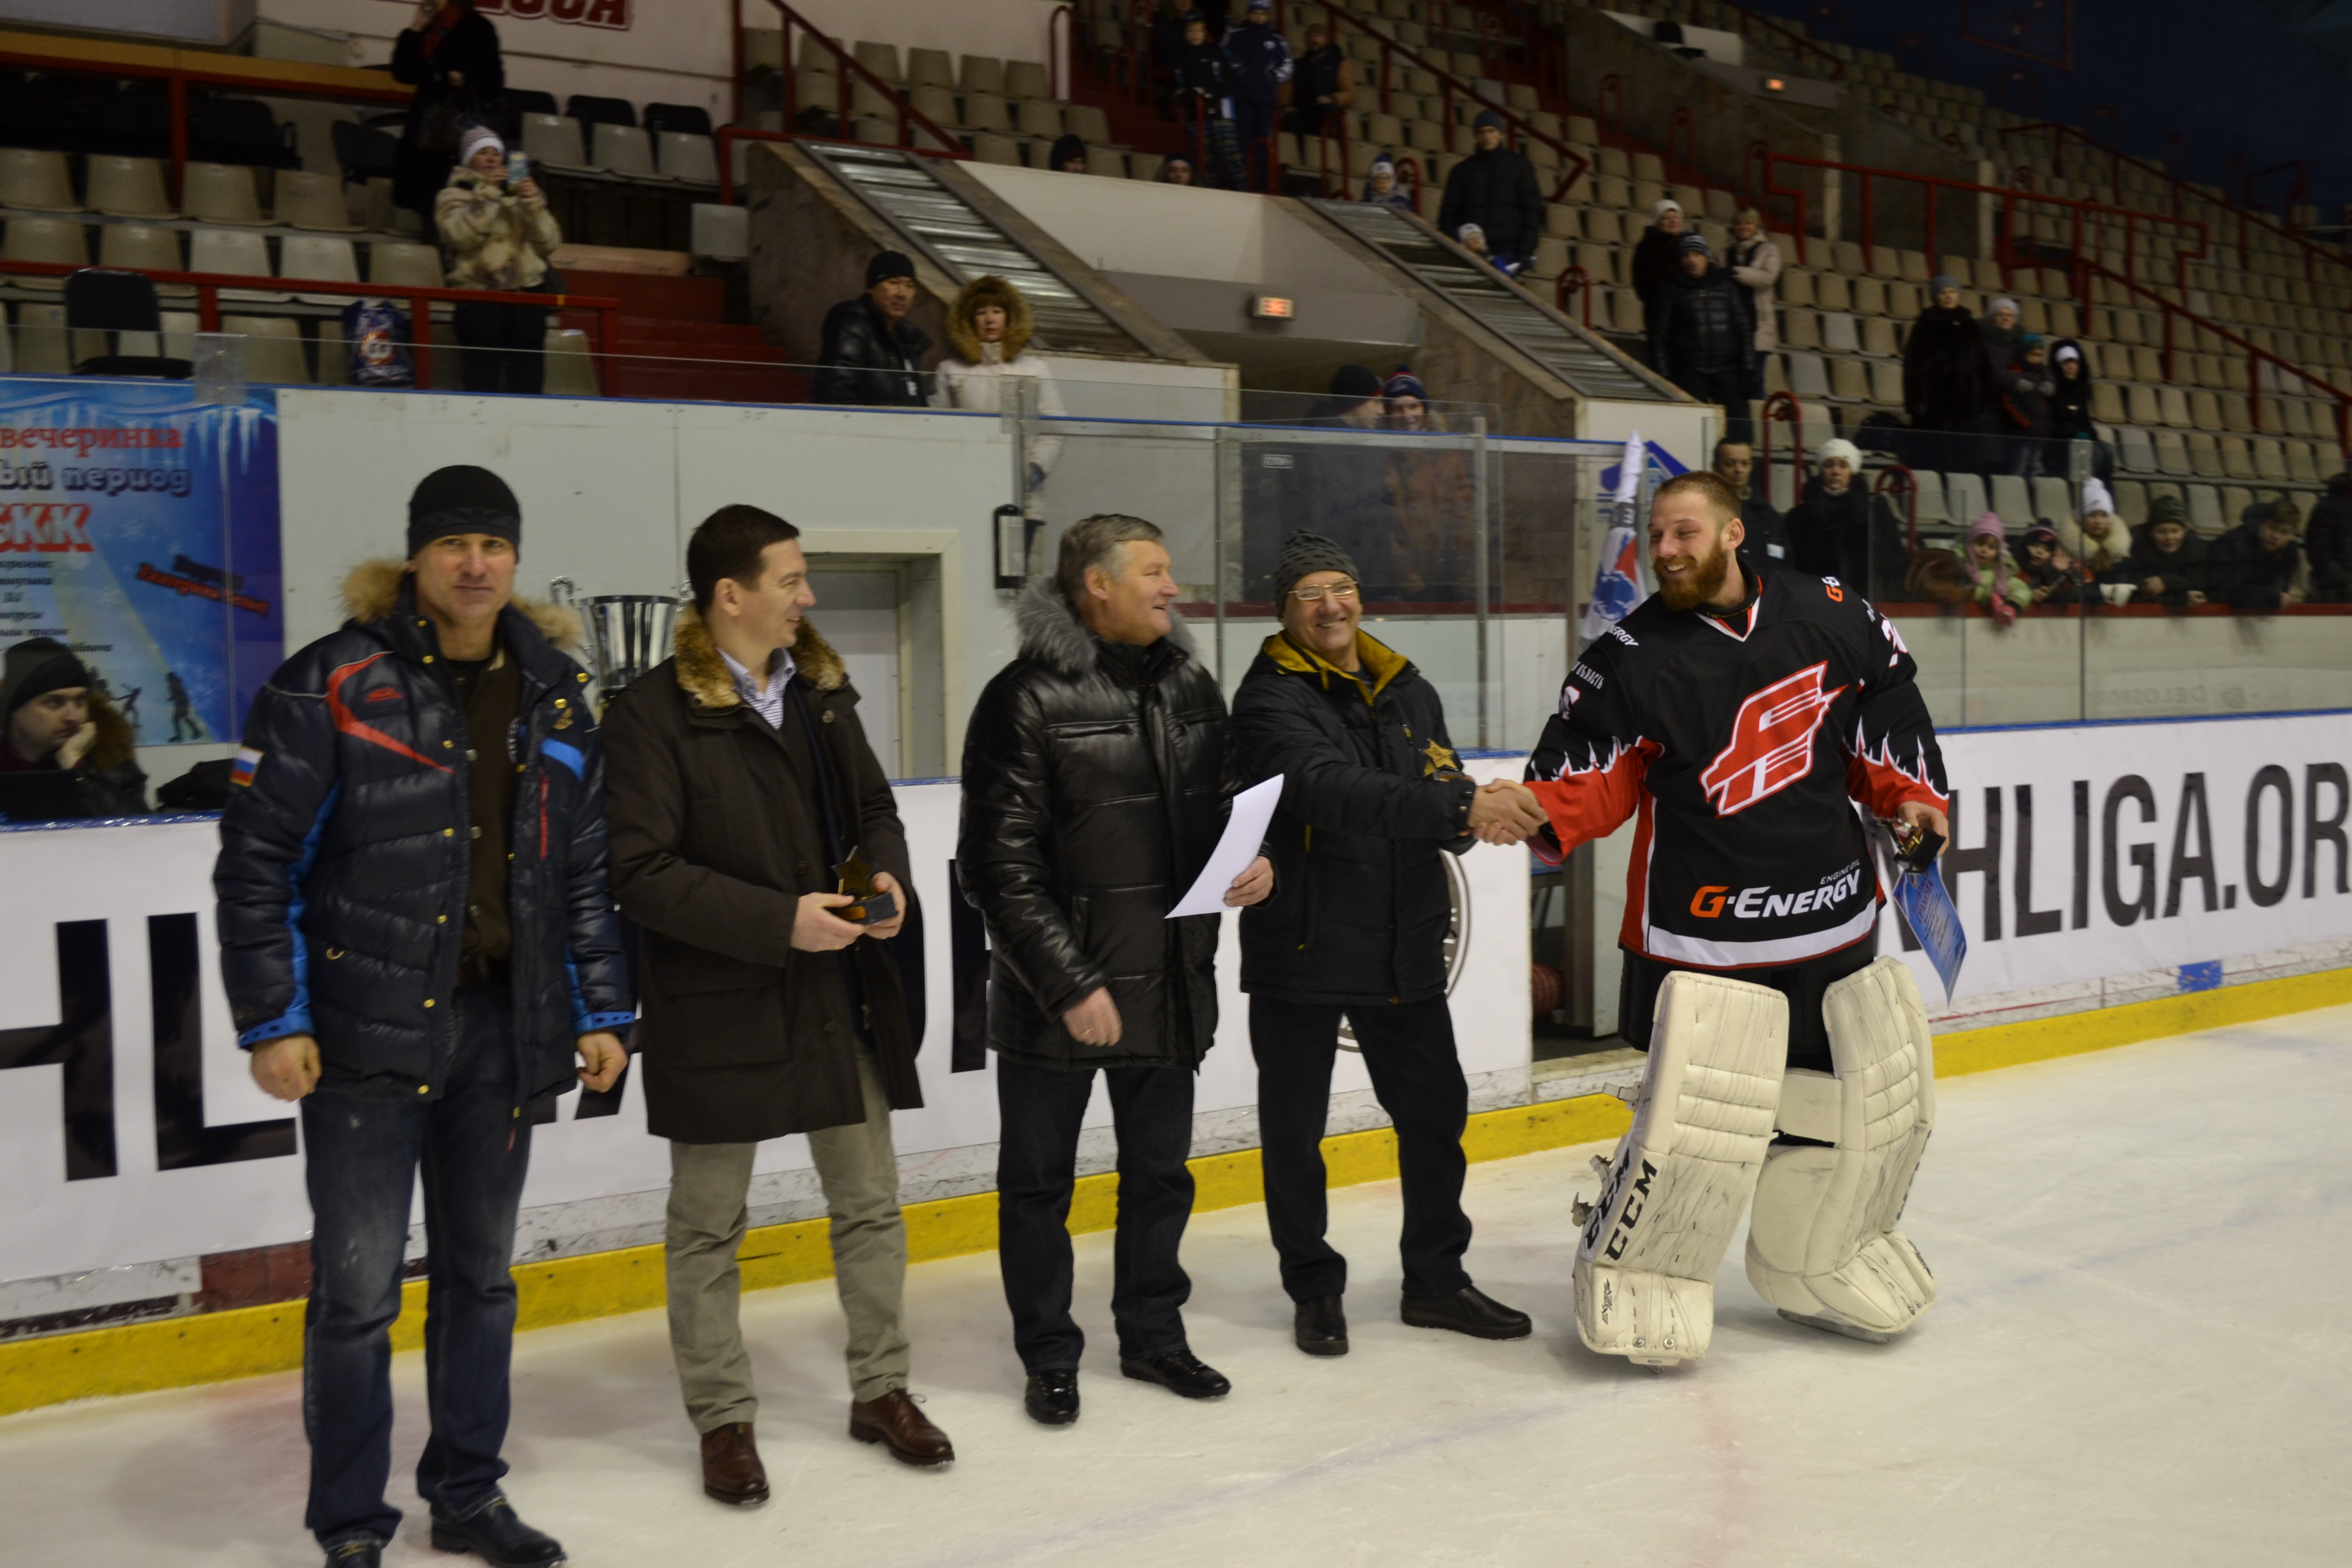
(1303,553)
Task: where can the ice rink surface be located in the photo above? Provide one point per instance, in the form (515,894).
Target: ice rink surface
(2139,1357)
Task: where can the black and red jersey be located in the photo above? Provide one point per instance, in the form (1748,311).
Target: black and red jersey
(1741,744)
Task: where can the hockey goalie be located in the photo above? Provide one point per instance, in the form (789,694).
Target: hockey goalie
(1738,716)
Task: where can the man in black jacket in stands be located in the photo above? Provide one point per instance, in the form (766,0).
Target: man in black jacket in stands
(1703,335)
(1095,784)
(1372,801)
(1495,188)
(870,351)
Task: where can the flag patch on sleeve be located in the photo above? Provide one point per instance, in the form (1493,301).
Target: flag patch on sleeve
(247,759)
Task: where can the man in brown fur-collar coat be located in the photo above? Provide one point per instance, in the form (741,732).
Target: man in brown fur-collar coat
(739,778)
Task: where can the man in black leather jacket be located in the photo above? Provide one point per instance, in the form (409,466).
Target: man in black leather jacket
(1096,779)
(1372,801)
(415,938)
(1496,188)
(1703,335)
(870,353)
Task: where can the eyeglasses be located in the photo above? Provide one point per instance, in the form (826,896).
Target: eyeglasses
(1337,590)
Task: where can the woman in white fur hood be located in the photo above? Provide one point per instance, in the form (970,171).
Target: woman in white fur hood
(988,328)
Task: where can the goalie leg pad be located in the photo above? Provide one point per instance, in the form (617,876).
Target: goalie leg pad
(1823,1247)
(1674,1191)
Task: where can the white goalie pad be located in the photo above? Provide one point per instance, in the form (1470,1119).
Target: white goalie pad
(1673,1193)
(1822,1247)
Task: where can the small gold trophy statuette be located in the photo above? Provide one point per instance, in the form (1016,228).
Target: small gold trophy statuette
(873,906)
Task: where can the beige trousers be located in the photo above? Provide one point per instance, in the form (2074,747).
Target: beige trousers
(709,1184)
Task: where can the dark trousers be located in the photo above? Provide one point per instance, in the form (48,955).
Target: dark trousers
(1727,387)
(1802,984)
(1037,1165)
(1254,123)
(364,1144)
(505,346)
(1408,1048)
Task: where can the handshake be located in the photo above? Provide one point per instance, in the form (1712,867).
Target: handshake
(1506,812)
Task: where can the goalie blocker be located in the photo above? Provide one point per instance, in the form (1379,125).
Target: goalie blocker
(1822,1248)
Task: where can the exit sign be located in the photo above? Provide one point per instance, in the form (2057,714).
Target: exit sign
(1271,308)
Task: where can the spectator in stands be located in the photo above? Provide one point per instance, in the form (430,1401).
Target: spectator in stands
(449,54)
(1407,400)
(1380,185)
(1262,59)
(1840,529)
(870,351)
(2167,564)
(1756,266)
(2053,576)
(2327,542)
(498,235)
(1356,399)
(1999,372)
(1767,531)
(1177,170)
(1206,80)
(988,328)
(1474,239)
(1322,84)
(2023,411)
(2070,412)
(1069,156)
(1703,335)
(2104,542)
(65,751)
(1943,378)
(1994,580)
(1657,255)
(2258,565)
(1495,188)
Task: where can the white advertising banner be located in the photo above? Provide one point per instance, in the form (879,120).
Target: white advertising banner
(2194,850)
(130,1132)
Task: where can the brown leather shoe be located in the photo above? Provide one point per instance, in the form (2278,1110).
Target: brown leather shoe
(895,1421)
(732,1472)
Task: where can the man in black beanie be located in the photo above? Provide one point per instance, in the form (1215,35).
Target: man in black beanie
(1372,801)
(65,751)
(417,943)
(871,353)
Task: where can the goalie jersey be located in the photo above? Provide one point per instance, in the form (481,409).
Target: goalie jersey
(1736,743)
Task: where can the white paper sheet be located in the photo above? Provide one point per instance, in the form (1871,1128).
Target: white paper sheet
(1245,831)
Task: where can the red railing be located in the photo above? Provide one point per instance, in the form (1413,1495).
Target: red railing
(1573,280)
(1781,407)
(1896,480)
(909,118)
(420,299)
(1609,109)
(1057,68)
(277,80)
(1682,144)
(1573,164)
(2182,192)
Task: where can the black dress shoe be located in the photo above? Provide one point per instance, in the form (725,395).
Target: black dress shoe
(1468,1311)
(493,1534)
(1320,1326)
(1179,1372)
(1051,1399)
(366,1552)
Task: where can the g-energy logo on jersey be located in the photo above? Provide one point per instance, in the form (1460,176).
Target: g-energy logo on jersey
(1771,742)
(1716,900)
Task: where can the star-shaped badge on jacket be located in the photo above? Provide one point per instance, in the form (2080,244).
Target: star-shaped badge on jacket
(1440,759)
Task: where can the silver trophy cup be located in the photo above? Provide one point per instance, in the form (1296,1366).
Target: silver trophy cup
(627,633)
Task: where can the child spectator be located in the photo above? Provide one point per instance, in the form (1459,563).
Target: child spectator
(2055,576)
(2167,566)
(1380,185)
(2258,565)
(1994,581)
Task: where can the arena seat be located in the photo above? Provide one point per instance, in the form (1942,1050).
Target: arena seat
(981,73)
(554,141)
(143,247)
(312,202)
(36,179)
(52,239)
(686,157)
(395,262)
(273,347)
(1965,498)
(235,251)
(622,150)
(220,192)
(126,187)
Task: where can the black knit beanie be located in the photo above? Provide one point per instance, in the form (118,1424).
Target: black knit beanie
(1303,553)
(462,499)
(1355,381)
(35,668)
(886,265)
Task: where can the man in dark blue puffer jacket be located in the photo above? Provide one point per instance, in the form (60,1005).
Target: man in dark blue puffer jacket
(416,940)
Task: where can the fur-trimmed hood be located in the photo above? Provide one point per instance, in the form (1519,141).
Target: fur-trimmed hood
(1052,635)
(702,674)
(373,592)
(1020,326)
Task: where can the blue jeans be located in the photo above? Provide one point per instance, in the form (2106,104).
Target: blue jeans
(365,1142)
(1036,1167)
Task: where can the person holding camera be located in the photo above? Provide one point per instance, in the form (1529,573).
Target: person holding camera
(739,782)
(498,235)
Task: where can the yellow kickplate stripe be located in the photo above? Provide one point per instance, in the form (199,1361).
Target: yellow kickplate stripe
(176,1352)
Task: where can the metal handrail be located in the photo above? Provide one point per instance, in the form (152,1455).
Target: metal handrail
(1895,477)
(420,298)
(1782,406)
(1058,61)
(1574,164)
(1573,280)
(909,117)
(2313,252)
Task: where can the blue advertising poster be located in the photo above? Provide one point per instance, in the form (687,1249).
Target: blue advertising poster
(140,528)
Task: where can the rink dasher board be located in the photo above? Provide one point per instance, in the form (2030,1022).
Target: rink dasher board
(595,1184)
